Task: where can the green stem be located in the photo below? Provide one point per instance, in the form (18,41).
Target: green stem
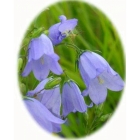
(66,76)
(75,47)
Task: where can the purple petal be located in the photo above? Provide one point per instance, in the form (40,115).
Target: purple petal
(77,98)
(41,114)
(62,18)
(92,65)
(56,31)
(31,93)
(40,46)
(68,25)
(112,82)
(52,100)
(39,87)
(54,65)
(86,66)
(96,61)
(105,66)
(100,61)
(90,105)
(54,56)
(84,74)
(74,110)
(39,95)
(85,92)
(55,68)
(97,92)
(66,102)
(72,99)
(56,127)
(41,68)
(27,69)
(54,34)
(111,71)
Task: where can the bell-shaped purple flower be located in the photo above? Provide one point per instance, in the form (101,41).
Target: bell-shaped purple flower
(43,116)
(51,98)
(72,99)
(61,30)
(98,77)
(41,58)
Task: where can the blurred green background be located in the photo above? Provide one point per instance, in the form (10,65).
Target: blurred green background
(95,32)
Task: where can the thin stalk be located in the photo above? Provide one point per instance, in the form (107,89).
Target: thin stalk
(75,47)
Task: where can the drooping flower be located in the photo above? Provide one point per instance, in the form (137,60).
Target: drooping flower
(43,116)
(98,76)
(41,58)
(51,98)
(61,30)
(72,99)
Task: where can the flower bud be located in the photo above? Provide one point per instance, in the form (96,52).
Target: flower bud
(53,82)
(20,62)
(22,88)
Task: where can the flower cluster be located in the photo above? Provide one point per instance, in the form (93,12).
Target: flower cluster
(45,101)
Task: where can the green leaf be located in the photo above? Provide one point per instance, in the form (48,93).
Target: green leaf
(22,88)
(20,63)
(52,83)
(67,132)
(105,117)
(99,109)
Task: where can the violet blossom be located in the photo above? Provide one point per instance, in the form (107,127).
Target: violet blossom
(98,77)
(50,98)
(72,99)
(43,116)
(41,58)
(59,31)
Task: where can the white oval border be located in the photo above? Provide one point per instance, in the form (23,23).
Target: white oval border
(25,127)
